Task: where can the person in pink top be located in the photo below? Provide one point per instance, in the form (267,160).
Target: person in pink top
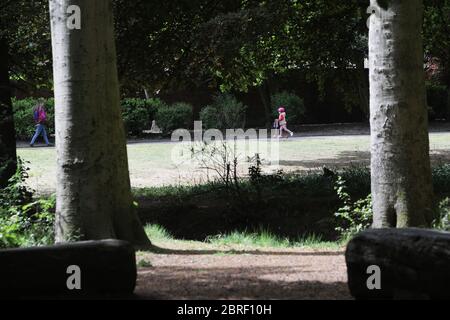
(282,122)
(40,117)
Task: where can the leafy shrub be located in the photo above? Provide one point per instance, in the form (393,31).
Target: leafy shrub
(138,114)
(16,193)
(354,217)
(442,222)
(23,116)
(176,116)
(437,101)
(357,181)
(441,179)
(226,112)
(294,105)
(24,222)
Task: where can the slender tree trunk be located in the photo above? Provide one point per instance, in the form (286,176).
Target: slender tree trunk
(147,96)
(447,113)
(264,94)
(448,103)
(400,165)
(8,160)
(363,89)
(94,198)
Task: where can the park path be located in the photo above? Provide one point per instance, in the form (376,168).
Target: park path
(249,274)
(306,131)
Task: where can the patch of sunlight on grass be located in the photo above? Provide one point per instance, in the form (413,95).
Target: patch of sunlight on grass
(264,238)
(316,242)
(157,233)
(143,264)
(261,239)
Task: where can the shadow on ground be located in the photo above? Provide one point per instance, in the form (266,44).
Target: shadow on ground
(344,159)
(179,272)
(237,283)
(159,250)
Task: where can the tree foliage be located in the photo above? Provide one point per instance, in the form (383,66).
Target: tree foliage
(231,45)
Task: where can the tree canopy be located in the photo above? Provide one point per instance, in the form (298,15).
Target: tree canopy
(229,45)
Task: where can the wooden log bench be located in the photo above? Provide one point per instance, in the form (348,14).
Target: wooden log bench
(413,264)
(103,268)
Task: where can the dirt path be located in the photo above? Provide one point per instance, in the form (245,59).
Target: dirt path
(230,273)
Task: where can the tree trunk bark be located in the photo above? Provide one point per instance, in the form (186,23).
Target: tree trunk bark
(94,198)
(400,166)
(8,157)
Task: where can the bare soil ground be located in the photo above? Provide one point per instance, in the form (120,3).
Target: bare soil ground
(183,271)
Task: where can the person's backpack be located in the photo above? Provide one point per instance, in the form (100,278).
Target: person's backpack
(42,115)
(39,115)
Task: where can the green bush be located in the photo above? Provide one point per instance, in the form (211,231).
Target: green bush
(294,105)
(442,222)
(23,117)
(23,220)
(441,179)
(176,116)
(437,101)
(225,113)
(138,114)
(354,217)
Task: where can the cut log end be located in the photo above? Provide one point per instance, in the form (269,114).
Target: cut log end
(79,269)
(399,264)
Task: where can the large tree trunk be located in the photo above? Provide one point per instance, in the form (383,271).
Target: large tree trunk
(400,165)
(94,198)
(8,160)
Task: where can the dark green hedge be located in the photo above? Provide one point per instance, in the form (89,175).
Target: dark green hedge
(176,116)
(137,116)
(437,100)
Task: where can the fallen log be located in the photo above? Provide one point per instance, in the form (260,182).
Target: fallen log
(79,270)
(413,264)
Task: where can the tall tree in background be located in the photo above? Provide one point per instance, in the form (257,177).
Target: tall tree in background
(8,157)
(400,165)
(93,188)
(24,62)
(8,160)
(437,35)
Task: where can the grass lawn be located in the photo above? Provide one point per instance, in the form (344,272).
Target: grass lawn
(151,165)
(238,241)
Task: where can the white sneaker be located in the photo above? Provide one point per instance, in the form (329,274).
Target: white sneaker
(292,133)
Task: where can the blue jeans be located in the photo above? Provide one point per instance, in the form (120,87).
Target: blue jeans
(40,129)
